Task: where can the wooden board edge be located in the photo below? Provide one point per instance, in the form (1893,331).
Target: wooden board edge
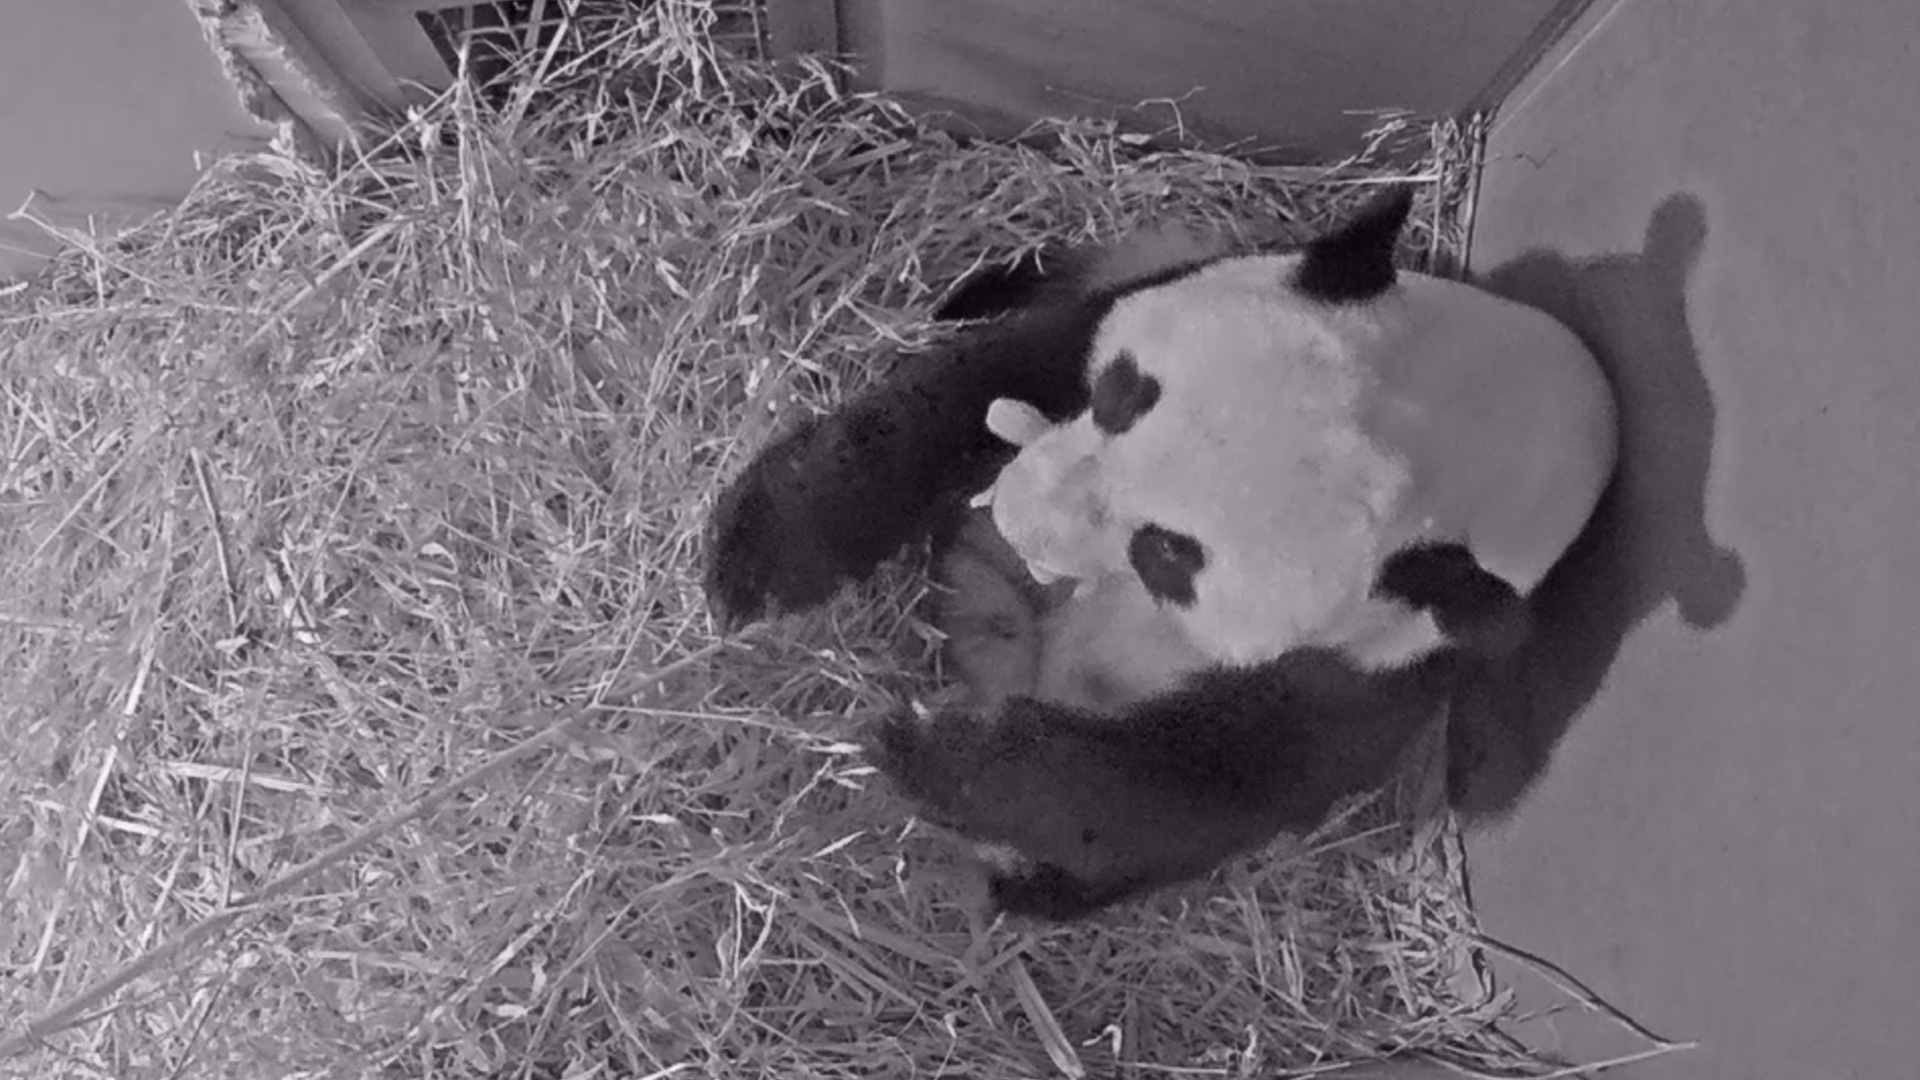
(1524,59)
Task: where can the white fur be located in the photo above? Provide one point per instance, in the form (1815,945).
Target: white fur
(1302,443)
(1016,421)
(1100,645)
(1111,644)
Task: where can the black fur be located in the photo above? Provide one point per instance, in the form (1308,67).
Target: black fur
(1354,263)
(1106,808)
(1100,807)
(1167,563)
(1046,278)
(1122,395)
(993,291)
(831,499)
(1471,605)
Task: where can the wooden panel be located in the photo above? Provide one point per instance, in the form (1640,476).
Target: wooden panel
(802,26)
(338,42)
(1289,75)
(417,6)
(1555,25)
(277,69)
(109,102)
(394,32)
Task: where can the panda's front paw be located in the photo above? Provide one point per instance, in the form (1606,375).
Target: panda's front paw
(1053,837)
(924,755)
(1046,892)
(763,554)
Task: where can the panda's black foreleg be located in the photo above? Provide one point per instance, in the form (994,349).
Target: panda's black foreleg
(1044,891)
(1101,808)
(831,499)
(1471,605)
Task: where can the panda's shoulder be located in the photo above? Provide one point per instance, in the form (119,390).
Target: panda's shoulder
(1153,255)
(1088,272)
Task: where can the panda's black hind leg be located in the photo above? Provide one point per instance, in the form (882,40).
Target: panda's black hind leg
(1100,808)
(1471,605)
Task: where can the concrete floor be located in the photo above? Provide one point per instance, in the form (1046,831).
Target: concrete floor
(1724,196)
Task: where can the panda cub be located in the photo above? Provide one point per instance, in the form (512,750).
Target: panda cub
(1073,636)
(1220,533)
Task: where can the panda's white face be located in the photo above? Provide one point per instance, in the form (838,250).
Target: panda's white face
(1222,460)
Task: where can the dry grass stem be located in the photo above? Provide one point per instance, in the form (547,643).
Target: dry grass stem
(323,490)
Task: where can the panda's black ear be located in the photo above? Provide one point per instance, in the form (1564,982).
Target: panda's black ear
(1354,263)
(1471,604)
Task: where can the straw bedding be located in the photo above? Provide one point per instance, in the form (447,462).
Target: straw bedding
(335,484)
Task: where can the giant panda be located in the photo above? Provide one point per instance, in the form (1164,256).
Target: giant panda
(1222,530)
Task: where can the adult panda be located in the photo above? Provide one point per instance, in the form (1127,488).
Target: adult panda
(1291,495)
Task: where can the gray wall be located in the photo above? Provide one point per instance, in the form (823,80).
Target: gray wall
(1728,843)
(1286,73)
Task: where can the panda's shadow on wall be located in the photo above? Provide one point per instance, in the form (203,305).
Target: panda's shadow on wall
(1648,544)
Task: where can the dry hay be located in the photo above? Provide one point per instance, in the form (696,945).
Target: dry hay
(332,485)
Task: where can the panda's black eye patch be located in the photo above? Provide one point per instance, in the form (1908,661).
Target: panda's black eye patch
(1122,395)
(1167,563)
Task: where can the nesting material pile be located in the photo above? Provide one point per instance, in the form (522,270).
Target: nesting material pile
(332,485)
